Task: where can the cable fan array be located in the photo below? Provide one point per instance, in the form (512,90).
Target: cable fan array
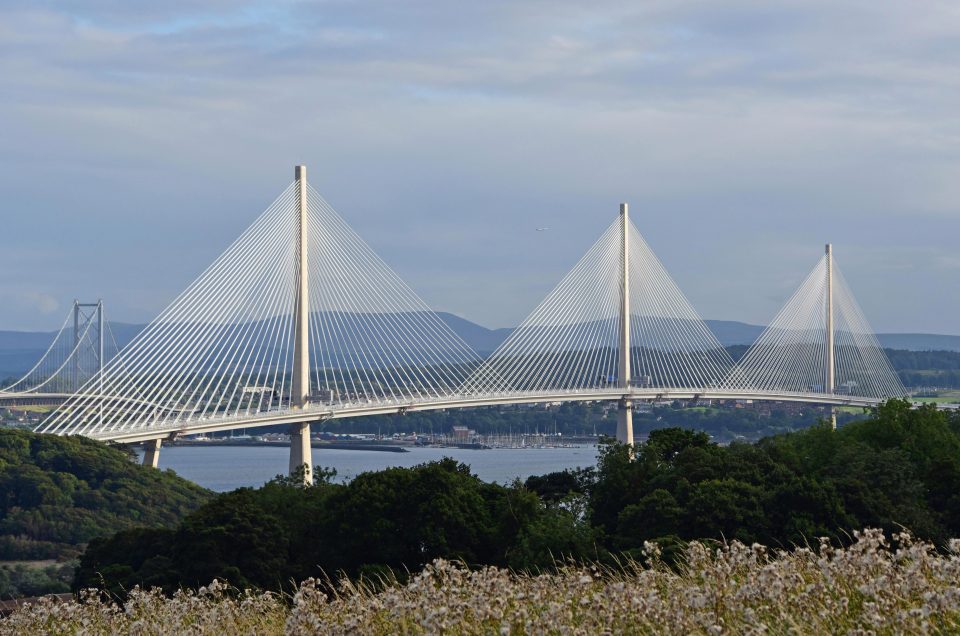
(571,340)
(73,358)
(792,352)
(223,349)
(374,339)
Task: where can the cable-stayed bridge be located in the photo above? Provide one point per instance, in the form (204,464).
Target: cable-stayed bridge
(77,355)
(300,321)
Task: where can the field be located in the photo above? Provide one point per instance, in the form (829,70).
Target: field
(877,585)
(943,397)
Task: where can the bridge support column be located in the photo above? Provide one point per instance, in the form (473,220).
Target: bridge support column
(830,376)
(151,453)
(625,411)
(301,453)
(625,422)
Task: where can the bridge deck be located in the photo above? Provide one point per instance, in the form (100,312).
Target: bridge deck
(320,412)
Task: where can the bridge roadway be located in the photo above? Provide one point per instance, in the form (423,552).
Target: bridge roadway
(323,412)
(33,399)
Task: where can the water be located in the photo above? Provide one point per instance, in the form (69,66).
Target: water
(223,468)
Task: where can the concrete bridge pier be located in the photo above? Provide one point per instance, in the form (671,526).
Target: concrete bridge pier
(301,453)
(151,452)
(625,422)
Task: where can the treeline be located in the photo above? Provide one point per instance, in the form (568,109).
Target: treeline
(900,467)
(918,360)
(725,424)
(926,368)
(915,368)
(930,379)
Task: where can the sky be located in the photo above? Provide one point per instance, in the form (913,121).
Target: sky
(137,140)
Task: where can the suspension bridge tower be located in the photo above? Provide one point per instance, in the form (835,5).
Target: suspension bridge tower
(83,314)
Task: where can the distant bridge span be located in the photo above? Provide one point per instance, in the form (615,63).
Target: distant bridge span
(40,398)
(77,354)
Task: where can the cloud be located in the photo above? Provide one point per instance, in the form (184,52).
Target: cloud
(139,140)
(44,303)
(31,301)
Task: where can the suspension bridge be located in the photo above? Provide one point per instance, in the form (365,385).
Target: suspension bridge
(299,321)
(76,355)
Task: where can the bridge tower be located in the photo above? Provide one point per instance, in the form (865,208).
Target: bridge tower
(81,319)
(300,451)
(830,379)
(625,411)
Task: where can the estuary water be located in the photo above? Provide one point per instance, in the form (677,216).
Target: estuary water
(223,468)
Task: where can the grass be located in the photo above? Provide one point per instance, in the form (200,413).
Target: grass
(877,585)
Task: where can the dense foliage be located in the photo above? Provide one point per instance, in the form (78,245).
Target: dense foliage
(916,368)
(899,468)
(395,519)
(33,579)
(57,493)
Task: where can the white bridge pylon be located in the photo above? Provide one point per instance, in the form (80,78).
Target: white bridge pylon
(225,348)
(616,321)
(223,354)
(819,342)
(572,340)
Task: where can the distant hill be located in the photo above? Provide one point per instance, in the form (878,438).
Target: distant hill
(728,332)
(60,492)
(731,332)
(482,340)
(919,341)
(20,350)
